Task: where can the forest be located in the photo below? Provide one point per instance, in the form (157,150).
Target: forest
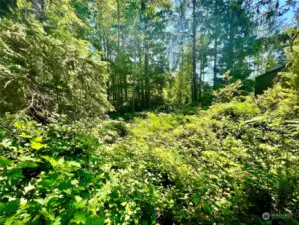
(151,112)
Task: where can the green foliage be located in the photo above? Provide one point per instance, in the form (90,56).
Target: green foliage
(227,164)
(47,174)
(44,67)
(226,93)
(55,175)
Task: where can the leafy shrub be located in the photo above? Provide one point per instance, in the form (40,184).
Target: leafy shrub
(48,175)
(228,164)
(55,175)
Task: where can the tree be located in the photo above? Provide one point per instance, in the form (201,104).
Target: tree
(47,67)
(137,50)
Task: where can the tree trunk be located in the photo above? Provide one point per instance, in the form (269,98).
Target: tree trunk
(194,83)
(181,79)
(143,19)
(200,90)
(140,78)
(215,64)
(215,52)
(100,24)
(120,88)
(147,94)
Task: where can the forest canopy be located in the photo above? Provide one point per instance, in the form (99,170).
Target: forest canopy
(81,57)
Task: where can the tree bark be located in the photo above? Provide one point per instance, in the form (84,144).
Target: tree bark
(194,83)
(143,20)
(120,89)
(215,63)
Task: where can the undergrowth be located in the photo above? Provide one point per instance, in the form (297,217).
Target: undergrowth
(228,164)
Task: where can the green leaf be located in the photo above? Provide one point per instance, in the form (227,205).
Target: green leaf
(9,207)
(18,222)
(74,182)
(5,162)
(40,201)
(68,191)
(2,131)
(79,218)
(29,188)
(52,161)
(95,220)
(28,164)
(78,198)
(37,146)
(57,221)
(47,214)
(195,198)
(80,203)
(38,139)
(17,174)
(207,208)
(74,164)
(18,125)
(24,135)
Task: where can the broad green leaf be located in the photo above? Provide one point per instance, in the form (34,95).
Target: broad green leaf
(2,131)
(40,201)
(24,135)
(47,214)
(5,162)
(74,182)
(52,161)
(36,145)
(78,198)
(38,139)
(18,125)
(57,221)
(80,203)
(28,164)
(29,188)
(79,218)
(195,198)
(9,207)
(68,191)
(74,164)
(95,220)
